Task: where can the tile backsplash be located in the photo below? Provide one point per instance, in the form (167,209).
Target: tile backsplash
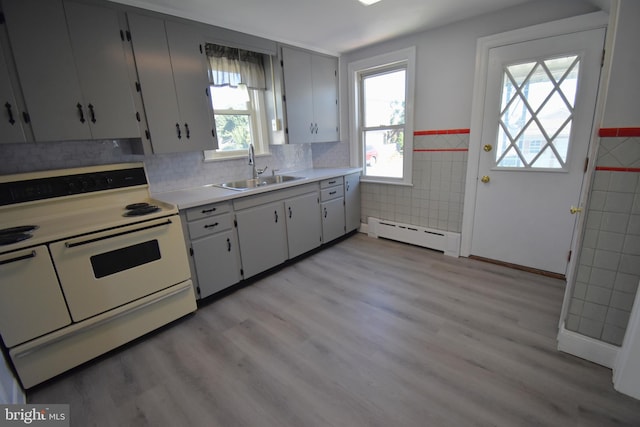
(166,172)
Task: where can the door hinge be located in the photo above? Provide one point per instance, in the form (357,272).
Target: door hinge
(138,87)
(26,117)
(569,257)
(128,33)
(586,164)
(191,251)
(147,134)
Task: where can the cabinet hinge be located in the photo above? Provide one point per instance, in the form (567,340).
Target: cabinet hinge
(286,130)
(235,223)
(121,35)
(213,133)
(2,21)
(242,272)
(586,164)
(26,117)
(602,60)
(284,98)
(206,91)
(569,257)
(200,48)
(128,35)
(147,134)
(335,73)
(138,116)
(191,251)
(138,87)
(198,290)
(281,63)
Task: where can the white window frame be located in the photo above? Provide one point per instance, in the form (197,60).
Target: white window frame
(259,131)
(406,58)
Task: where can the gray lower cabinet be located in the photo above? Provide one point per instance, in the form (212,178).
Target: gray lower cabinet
(352,201)
(332,208)
(72,67)
(172,69)
(304,232)
(262,236)
(213,243)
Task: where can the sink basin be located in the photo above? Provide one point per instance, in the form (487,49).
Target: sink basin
(246,184)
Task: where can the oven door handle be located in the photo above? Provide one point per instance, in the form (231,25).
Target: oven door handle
(18,258)
(97,239)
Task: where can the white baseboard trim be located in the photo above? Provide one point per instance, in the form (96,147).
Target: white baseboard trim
(587,348)
(444,241)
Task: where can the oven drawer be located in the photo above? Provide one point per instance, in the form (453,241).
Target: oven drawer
(105,270)
(210,225)
(31,303)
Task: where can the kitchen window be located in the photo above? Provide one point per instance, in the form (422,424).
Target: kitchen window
(382,116)
(238,84)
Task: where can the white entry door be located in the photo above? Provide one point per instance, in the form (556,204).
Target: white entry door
(537,123)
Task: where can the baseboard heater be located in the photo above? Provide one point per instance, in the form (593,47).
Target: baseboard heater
(444,241)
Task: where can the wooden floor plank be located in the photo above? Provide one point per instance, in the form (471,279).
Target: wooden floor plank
(367,332)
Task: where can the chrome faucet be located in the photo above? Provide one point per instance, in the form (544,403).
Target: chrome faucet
(252,162)
(255,172)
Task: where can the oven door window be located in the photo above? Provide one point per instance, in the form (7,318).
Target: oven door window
(112,262)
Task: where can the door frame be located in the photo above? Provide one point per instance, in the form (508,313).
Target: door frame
(555,28)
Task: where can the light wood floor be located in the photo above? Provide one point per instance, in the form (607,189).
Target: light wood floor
(365,333)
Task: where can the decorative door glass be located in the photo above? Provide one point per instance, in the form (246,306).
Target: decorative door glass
(536,113)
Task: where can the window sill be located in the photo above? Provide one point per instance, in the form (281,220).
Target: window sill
(381,181)
(234,157)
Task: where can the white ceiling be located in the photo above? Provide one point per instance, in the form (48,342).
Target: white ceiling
(331,26)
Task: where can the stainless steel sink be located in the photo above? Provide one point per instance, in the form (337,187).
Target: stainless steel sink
(247,184)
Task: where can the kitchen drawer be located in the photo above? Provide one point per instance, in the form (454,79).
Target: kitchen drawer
(206,211)
(331,193)
(326,183)
(210,225)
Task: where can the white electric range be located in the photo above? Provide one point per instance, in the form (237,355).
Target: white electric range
(88,262)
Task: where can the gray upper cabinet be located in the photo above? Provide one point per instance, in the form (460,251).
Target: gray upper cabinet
(72,69)
(173,76)
(311,93)
(11,118)
(102,70)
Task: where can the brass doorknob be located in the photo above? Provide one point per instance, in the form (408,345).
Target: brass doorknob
(575,210)
(485,179)
(487,147)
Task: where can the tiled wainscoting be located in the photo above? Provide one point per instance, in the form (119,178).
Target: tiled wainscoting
(609,264)
(436,198)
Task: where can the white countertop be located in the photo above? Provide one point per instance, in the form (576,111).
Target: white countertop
(198,196)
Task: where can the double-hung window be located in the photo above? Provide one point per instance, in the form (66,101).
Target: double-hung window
(238,84)
(382,116)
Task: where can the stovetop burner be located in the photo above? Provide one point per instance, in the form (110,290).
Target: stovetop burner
(139,209)
(17,234)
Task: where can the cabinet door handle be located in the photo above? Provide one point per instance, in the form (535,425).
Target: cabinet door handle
(186,129)
(347,185)
(316,128)
(93,113)
(215,224)
(8,106)
(325,212)
(79,106)
(228,245)
(311,128)
(178,130)
(290,212)
(276,215)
